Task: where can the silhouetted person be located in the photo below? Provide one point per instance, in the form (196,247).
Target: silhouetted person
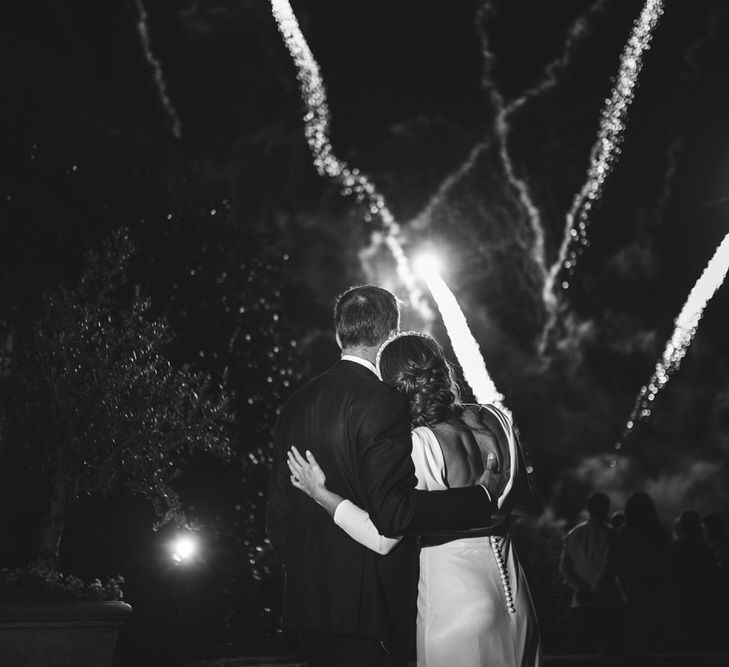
(716,536)
(588,567)
(644,567)
(695,580)
(718,541)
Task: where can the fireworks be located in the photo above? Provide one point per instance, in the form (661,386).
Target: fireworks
(603,156)
(422,219)
(316,120)
(534,217)
(316,130)
(502,129)
(580,30)
(464,344)
(159,78)
(606,150)
(686,325)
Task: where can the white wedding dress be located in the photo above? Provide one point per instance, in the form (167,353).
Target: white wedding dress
(474,605)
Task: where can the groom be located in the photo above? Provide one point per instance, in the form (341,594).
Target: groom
(351,606)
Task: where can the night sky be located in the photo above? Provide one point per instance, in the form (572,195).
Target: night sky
(412,88)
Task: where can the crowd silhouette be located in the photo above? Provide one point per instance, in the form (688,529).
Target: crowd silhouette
(638,588)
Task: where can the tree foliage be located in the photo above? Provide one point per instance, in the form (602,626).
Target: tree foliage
(97,404)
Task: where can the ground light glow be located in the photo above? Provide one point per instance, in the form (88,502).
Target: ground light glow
(183,549)
(464,344)
(316,130)
(686,325)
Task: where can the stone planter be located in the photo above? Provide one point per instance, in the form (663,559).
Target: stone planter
(60,634)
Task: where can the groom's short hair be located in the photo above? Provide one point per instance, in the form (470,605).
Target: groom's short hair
(365,315)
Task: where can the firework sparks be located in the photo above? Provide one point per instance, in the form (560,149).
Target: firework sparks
(159,79)
(462,340)
(606,150)
(686,325)
(501,129)
(316,129)
(603,156)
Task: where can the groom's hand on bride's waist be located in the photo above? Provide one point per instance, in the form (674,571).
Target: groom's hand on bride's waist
(491,478)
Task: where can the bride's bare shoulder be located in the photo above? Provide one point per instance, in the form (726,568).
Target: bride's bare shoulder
(461,451)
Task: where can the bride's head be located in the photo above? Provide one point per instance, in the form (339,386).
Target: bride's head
(414,364)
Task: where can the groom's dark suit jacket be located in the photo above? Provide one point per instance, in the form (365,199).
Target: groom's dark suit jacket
(359,430)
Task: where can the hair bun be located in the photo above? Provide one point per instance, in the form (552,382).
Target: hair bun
(414,364)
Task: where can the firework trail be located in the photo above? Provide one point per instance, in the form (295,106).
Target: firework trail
(464,344)
(686,323)
(580,29)
(316,129)
(606,149)
(720,200)
(143,29)
(603,156)
(422,219)
(501,129)
(690,71)
(317,134)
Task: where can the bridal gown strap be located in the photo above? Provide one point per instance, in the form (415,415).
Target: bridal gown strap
(474,605)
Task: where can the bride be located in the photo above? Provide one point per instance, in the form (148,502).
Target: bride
(474,605)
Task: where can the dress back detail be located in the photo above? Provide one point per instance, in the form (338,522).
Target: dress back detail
(462,451)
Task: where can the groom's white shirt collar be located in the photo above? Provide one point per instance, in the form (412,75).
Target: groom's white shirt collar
(359,360)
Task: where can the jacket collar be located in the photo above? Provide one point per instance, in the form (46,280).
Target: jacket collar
(359,362)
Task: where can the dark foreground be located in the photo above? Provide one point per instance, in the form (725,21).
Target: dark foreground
(652,660)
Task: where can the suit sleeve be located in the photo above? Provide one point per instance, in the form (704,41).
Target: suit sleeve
(387,479)
(277,509)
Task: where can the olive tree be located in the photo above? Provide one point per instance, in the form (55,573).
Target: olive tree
(95,402)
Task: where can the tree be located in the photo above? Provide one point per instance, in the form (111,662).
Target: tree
(96,404)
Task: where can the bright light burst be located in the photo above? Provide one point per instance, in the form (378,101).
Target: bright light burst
(183,549)
(464,344)
(606,149)
(143,29)
(316,121)
(686,325)
(316,129)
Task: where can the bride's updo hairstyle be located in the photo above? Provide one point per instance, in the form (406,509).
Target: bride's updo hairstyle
(414,364)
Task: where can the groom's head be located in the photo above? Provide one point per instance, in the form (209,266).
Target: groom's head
(365,316)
